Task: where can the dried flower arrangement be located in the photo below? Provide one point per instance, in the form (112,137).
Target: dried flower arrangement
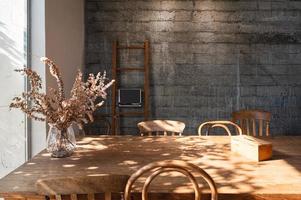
(54,107)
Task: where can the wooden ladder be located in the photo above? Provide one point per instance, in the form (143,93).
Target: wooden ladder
(117,70)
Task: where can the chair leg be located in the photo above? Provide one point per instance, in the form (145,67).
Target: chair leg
(208,129)
(108,196)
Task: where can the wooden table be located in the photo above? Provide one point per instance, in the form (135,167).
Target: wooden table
(235,176)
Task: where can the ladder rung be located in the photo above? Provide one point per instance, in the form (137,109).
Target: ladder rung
(130,69)
(130,113)
(130,47)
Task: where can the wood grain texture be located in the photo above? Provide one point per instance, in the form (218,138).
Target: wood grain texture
(252,148)
(234,176)
(114,86)
(247,120)
(116,72)
(90,186)
(81,184)
(146,79)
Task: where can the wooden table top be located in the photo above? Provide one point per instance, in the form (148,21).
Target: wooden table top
(232,173)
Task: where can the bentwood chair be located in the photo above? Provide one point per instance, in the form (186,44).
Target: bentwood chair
(82,187)
(253,122)
(157,168)
(221,124)
(161,127)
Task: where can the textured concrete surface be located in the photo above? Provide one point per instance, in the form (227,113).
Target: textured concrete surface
(208,58)
(12,51)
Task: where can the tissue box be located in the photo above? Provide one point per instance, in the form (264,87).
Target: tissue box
(252,148)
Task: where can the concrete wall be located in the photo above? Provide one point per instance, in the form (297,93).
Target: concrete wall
(65,38)
(208,58)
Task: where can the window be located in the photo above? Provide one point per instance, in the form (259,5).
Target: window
(13,55)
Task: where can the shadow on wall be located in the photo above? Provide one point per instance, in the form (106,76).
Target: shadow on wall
(208,58)
(9,55)
(12,124)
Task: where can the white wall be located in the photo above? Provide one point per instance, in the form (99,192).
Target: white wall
(12,56)
(65,38)
(38,49)
(57,33)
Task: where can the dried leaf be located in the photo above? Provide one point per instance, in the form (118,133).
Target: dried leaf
(53,107)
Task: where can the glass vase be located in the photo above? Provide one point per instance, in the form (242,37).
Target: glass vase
(61,143)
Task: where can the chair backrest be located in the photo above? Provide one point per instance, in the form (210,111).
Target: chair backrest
(82,185)
(104,122)
(160,167)
(253,122)
(221,124)
(161,127)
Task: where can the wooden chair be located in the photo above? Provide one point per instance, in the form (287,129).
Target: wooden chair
(103,121)
(161,126)
(247,119)
(73,188)
(221,124)
(160,167)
